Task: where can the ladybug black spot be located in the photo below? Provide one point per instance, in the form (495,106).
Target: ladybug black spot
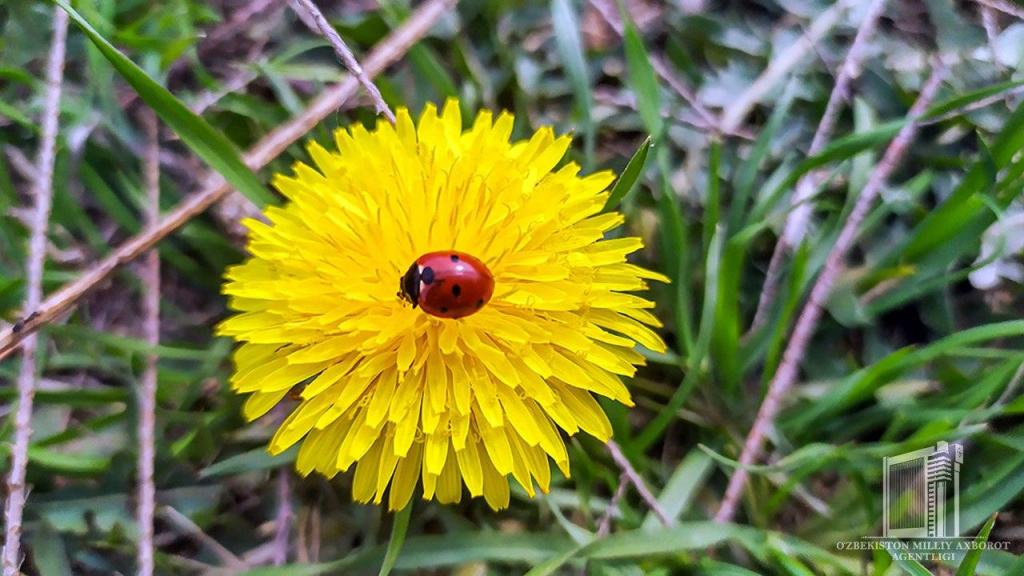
(444,309)
(427,275)
(480,303)
(455,257)
(456,290)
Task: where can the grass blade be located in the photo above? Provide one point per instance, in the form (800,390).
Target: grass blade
(657,427)
(746,174)
(633,170)
(681,487)
(676,257)
(971,559)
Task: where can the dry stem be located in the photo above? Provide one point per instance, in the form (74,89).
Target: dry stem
(185,525)
(27,378)
(641,487)
(151,331)
(346,56)
(604,527)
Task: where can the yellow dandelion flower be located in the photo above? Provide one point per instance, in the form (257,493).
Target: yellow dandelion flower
(400,392)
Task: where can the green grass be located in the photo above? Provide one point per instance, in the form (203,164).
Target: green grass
(909,351)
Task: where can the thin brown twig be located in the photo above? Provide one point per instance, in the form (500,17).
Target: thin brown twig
(806,323)
(151,331)
(769,290)
(797,220)
(284,518)
(708,121)
(346,56)
(215,189)
(27,378)
(604,527)
(1003,6)
(21,163)
(661,68)
(185,525)
(641,487)
(624,100)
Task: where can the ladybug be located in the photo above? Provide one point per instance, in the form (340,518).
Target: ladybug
(447,284)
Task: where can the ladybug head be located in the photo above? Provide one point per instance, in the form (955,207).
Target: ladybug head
(409,285)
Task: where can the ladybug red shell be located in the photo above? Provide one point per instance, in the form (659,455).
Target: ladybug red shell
(447,284)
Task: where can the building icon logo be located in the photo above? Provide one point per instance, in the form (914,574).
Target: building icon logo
(921,493)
